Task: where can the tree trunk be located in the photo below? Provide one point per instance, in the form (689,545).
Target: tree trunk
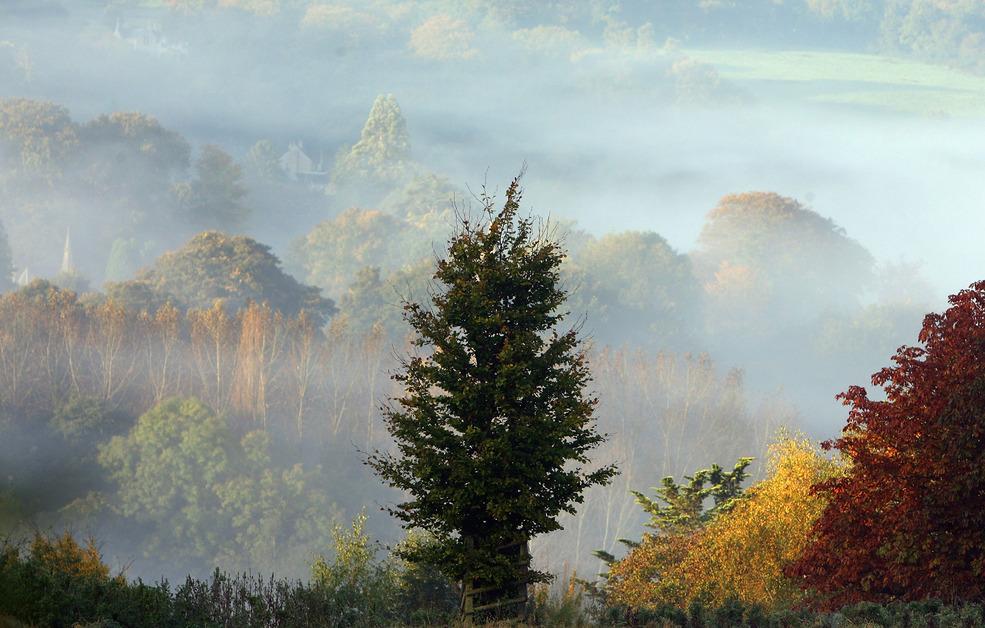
(483,601)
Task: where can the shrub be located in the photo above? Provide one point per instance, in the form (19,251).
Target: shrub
(737,555)
(426,597)
(55,581)
(563,608)
(364,591)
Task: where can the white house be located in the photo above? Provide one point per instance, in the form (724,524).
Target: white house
(297,166)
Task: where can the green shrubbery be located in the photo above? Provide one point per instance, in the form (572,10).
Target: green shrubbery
(370,592)
(57,582)
(732,613)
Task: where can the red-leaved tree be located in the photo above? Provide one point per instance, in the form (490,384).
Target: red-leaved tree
(907,521)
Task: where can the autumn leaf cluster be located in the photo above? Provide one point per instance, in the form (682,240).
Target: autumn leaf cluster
(741,552)
(906,522)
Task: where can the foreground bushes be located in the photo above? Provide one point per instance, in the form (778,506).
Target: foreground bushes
(732,613)
(57,582)
(738,550)
(60,583)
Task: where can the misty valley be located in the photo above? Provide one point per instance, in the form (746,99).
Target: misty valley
(492,312)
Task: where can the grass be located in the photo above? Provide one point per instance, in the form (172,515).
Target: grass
(855,79)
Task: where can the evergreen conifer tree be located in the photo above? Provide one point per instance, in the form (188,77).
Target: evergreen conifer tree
(381,157)
(494,426)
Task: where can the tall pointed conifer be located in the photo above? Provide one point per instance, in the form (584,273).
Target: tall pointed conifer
(494,426)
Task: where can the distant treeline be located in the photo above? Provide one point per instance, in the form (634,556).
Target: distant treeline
(453,31)
(109,414)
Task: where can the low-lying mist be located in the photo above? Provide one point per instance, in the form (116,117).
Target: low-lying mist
(702,344)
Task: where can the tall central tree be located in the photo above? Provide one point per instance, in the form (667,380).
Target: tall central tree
(494,428)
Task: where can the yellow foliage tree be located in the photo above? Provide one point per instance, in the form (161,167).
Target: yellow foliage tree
(63,555)
(741,554)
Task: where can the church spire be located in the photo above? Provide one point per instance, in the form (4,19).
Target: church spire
(68,267)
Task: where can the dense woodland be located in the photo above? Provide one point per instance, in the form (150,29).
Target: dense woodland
(204,314)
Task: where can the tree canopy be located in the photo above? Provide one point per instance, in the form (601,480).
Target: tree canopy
(36,139)
(210,497)
(119,143)
(952,32)
(381,157)
(905,521)
(427,202)
(214,198)
(334,251)
(131,161)
(234,269)
(760,250)
(374,301)
(494,428)
(633,280)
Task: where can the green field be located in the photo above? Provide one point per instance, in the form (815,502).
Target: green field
(842,78)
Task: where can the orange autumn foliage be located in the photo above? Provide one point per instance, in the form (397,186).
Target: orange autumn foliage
(64,555)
